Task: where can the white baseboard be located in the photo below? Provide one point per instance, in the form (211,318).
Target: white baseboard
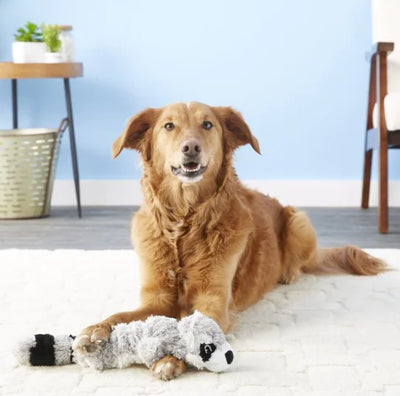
(289,192)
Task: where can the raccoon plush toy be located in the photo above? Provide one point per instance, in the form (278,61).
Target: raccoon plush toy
(196,339)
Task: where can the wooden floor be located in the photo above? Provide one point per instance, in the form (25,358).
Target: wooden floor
(108,228)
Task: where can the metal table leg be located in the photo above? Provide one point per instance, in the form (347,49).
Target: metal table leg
(73,144)
(14,103)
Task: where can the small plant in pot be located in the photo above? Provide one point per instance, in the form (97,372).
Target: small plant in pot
(28,46)
(53,43)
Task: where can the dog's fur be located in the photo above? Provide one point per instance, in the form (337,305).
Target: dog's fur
(209,243)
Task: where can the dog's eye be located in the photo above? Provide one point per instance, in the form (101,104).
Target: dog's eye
(207,125)
(169,126)
(206,350)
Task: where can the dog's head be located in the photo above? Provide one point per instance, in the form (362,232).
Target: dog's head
(186,142)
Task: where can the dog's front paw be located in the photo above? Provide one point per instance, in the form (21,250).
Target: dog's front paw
(92,339)
(167,368)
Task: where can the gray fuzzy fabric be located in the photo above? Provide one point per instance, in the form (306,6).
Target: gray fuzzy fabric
(196,339)
(62,349)
(137,343)
(22,351)
(196,330)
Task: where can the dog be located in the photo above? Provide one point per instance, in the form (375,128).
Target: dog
(205,241)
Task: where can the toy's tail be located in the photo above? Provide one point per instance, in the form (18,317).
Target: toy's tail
(45,350)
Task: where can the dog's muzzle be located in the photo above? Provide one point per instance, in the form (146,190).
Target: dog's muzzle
(189,170)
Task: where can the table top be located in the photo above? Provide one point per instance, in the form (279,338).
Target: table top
(12,70)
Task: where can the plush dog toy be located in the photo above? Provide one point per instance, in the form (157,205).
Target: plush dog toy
(196,339)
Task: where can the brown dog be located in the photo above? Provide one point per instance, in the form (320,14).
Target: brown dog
(205,241)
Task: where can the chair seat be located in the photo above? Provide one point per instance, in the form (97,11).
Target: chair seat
(392,112)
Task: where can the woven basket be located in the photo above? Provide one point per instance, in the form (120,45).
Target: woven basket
(28,160)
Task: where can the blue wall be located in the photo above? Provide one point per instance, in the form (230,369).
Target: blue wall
(295,69)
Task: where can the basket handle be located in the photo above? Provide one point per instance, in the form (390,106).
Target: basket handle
(63,125)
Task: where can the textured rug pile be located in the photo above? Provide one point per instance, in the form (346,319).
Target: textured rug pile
(331,335)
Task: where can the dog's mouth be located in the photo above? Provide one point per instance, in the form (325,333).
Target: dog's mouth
(189,171)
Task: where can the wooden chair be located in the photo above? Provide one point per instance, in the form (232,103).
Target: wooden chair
(383,114)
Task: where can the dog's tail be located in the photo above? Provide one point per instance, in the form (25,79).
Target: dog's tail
(45,350)
(347,259)
(302,253)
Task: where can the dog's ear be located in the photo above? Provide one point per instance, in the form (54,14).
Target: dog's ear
(136,134)
(237,132)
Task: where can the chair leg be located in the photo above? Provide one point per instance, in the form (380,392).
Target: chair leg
(382,144)
(366,179)
(383,191)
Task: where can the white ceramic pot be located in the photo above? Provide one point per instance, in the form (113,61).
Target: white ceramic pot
(54,57)
(23,52)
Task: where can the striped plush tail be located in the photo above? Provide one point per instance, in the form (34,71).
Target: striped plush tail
(45,350)
(347,259)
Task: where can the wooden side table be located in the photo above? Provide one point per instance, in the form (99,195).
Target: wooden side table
(15,71)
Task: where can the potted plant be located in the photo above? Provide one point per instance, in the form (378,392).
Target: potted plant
(28,46)
(53,43)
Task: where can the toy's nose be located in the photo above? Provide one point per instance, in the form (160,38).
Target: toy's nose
(229,357)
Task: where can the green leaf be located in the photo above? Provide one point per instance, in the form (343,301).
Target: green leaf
(31,26)
(30,34)
(50,37)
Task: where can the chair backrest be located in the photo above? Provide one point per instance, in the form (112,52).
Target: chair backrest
(386,27)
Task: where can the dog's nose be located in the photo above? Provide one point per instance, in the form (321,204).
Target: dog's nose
(191,147)
(229,357)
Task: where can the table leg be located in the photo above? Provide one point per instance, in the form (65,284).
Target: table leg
(14,103)
(73,144)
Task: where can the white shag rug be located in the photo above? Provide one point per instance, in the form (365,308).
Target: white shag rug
(331,335)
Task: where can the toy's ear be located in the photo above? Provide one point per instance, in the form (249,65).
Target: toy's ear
(197,315)
(186,330)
